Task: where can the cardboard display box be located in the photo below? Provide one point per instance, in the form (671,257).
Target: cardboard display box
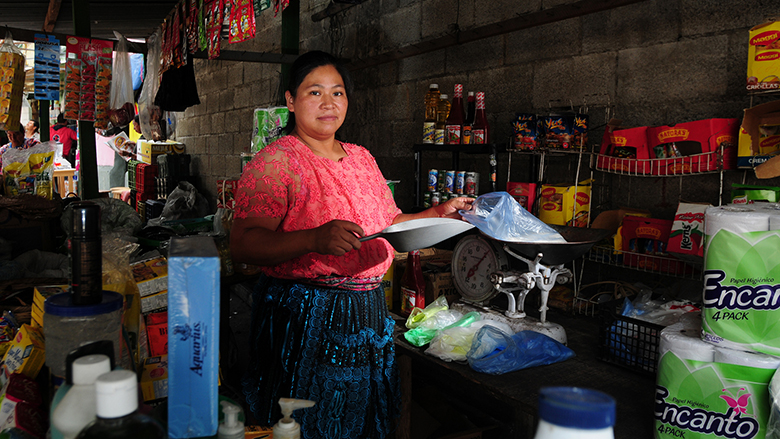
(759,137)
(645,240)
(624,150)
(151,276)
(697,143)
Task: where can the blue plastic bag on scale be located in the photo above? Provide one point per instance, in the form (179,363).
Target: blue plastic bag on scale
(496,352)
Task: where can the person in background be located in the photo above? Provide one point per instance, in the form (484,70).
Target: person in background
(65,135)
(320,326)
(17,140)
(31,130)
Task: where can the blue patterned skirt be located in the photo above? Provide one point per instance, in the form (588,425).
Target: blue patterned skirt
(330,345)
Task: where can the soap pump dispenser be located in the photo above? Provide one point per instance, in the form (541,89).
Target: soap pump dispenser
(232,428)
(287,428)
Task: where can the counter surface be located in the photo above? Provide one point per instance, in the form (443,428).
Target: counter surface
(512,398)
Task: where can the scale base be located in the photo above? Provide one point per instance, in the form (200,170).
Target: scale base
(527,323)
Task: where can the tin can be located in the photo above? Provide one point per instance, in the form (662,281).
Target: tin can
(472,183)
(449,182)
(442,180)
(435,199)
(427,200)
(433,180)
(443,197)
(438,136)
(460,182)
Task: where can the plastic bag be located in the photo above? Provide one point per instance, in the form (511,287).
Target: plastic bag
(29,171)
(122,110)
(116,217)
(501,217)
(421,336)
(418,316)
(773,425)
(496,352)
(149,114)
(454,343)
(184,202)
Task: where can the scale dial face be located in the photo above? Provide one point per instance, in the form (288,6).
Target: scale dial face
(473,260)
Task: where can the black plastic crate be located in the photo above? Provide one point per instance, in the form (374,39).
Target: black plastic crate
(628,342)
(154,209)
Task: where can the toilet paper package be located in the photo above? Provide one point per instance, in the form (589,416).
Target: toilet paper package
(699,399)
(741,297)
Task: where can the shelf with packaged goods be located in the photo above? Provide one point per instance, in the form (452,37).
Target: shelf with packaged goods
(455,150)
(697,164)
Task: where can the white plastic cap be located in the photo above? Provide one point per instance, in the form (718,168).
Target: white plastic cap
(88,368)
(232,428)
(471,93)
(116,394)
(433,86)
(444,96)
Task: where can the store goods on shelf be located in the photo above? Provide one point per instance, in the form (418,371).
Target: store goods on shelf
(555,131)
(707,145)
(565,205)
(763,65)
(649,237)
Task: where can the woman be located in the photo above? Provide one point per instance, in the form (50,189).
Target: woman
(31,130)
(320,327)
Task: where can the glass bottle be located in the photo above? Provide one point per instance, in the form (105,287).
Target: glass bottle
(412,284)
(431,107)
(116,394)
(468,124)
(86,251)
(454,124)
(441,118)
(481,130)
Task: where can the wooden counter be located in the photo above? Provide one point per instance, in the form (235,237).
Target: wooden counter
(512,398)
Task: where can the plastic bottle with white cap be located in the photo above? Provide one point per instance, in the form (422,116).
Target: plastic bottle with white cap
(575,413)
(287,428)
(78,407)
(232,427)
(116,394)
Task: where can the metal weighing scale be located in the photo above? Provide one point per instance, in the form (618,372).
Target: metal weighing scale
(481,270)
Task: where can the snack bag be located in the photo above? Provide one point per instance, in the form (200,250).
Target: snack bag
(11,83)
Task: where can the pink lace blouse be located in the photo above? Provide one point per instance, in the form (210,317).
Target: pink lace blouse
(287,180)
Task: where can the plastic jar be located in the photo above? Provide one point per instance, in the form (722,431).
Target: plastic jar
(575,413)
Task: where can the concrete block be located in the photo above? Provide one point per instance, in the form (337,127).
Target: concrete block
(217,165)
(641,24)
(397,102)
(486,53)
(402,27)
(225,98)
(554,40)
(437,18)
(369,36)
(224,144)
(571,79)
(427,65)
(218,123)
(235,73)
(195,145)
(242,97)
(253,72)
(671,73)
(204,124)
(702,17)
(508,88)
(488,15)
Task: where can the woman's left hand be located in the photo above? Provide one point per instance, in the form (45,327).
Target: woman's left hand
(452,206)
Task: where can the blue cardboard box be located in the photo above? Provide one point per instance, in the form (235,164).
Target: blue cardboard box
(193,337)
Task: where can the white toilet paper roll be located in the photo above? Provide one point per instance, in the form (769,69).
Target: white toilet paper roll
(685,342)
(773,209)
(742,358)
(735,219)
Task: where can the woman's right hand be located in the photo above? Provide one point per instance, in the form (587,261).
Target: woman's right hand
(337,237)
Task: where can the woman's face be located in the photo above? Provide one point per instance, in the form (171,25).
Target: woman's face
(30,127)
(320,104)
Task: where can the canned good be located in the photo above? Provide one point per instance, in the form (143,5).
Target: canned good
(435,199)
(427,199)
(472,183)
(438,136)
(460,182)
(442,180)
(444,197)
(433,180)
(449,182)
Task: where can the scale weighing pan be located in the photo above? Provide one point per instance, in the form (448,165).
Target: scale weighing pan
(420,233)
(578,241)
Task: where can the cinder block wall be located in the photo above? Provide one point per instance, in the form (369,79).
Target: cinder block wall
(650,63)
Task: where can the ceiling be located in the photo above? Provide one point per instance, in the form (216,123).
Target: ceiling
(133,19)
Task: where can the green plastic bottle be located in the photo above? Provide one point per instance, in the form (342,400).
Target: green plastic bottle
(117,410)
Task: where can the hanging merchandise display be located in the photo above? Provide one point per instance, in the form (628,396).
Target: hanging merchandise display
(178,89)
(260,6)
(213,19)
(122,108)
(191,23)
(203,38)
(148,113)
(11,83)
(88,74)
(280,5)
(242,21)
(269,124)
(47,68)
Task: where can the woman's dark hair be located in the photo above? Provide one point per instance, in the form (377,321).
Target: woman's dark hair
(36,125)
(303,65)
(309,61)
